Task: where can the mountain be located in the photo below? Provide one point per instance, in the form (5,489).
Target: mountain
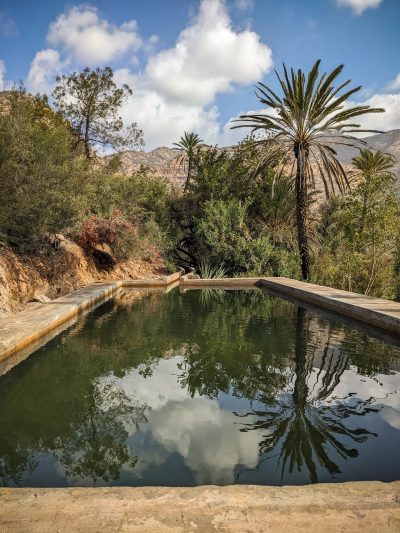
(163,160)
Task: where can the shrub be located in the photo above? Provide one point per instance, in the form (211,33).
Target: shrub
(42,181)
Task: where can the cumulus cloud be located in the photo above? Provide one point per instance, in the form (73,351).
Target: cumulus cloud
(207,58)
(43,70)
(92,40)
(394,85)
(177,89)
(359,6)
(388,120)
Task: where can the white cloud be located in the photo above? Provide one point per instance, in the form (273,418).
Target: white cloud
(43,70)
(207,58)
(388,120)
(244,4)
(177,89)
(2,74)
(90,39)
(359,6)
(394,85)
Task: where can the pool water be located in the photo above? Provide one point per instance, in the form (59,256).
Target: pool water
(202,387)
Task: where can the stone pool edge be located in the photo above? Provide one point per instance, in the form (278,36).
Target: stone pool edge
(361,506)
(24,332)
(384,314)
(29,328)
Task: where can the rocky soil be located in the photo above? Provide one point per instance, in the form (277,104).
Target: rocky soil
(55,272)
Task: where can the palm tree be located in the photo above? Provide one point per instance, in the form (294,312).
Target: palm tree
(307,122)
(369,164)
(188,145)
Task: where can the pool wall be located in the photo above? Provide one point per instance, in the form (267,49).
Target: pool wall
(24,332)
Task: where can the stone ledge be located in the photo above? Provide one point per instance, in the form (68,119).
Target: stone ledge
(24,332)
(354,507)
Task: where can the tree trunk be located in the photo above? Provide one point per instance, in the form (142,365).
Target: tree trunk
(301,214)
(189,174)
(86,139)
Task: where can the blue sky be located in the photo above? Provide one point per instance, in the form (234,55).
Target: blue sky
(193,63)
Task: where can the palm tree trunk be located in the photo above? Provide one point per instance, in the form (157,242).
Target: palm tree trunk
(301,214)
(189,174)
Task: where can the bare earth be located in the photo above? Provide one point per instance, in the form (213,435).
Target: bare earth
(356,507)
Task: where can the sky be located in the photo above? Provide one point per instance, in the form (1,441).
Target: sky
(193,64)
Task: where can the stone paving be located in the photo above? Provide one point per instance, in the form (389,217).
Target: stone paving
(351,507)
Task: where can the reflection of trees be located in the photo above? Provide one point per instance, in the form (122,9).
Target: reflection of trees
(305,431)
(97,448)
(14,463)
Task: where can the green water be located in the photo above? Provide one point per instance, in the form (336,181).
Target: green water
(202,387)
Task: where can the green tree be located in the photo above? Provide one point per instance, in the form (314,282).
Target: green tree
(188,146)
(42,185)
(306,123)
(91,101)
(360,233)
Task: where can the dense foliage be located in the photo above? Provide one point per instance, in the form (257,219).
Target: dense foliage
(236,216)
(47,187)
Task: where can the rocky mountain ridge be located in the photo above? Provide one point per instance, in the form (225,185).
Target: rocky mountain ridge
(162,160)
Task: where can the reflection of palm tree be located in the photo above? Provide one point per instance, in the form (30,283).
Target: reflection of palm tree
(98,448)
(306,430)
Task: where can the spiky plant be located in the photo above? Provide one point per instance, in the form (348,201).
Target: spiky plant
(306,123)
(369,164)
(188,145)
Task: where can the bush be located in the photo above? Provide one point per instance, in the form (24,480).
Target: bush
(227,239)
(120,235)
(42,181)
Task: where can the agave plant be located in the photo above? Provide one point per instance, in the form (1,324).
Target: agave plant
(306,124)
(188,145)
(208,271)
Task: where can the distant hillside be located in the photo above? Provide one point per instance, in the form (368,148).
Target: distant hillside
(163,160)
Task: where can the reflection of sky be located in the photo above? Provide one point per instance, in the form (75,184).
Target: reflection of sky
(205,434)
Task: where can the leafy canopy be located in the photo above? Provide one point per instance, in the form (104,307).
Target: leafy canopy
(91,101)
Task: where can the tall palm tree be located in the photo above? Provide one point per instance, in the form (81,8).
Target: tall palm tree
(188,145)
(307,122)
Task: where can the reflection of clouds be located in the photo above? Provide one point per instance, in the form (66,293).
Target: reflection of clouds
(391,416)
(206,436)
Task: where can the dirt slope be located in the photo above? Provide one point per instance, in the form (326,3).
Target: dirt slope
(55,272)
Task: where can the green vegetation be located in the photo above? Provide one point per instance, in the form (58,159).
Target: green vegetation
(48,187)
(90,100)
(188,146)
(302,124)
(276,204)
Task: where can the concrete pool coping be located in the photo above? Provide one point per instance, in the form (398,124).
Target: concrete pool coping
(366,506)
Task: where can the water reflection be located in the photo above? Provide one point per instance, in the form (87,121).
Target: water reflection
(303,428)
(198,388)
